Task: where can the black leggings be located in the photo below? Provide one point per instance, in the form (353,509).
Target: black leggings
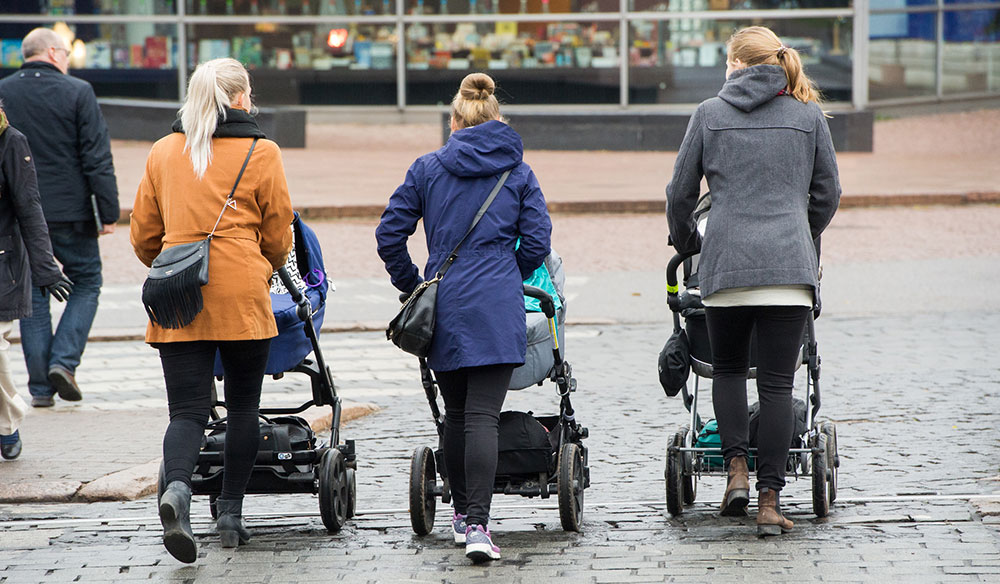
(779,338)
(188,370)
(473,397)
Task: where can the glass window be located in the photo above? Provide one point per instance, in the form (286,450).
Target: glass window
(88,7)
(704,5)
(532,62)
(306,64)
(971,51)
(902,56)
(291,7)
(133,60)
(684,61)
(509,6)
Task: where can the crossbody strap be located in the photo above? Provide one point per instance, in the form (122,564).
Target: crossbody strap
(233,191)
(482,211)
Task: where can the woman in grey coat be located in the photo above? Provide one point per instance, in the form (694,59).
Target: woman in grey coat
(764,147)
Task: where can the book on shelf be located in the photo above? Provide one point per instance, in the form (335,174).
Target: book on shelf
(98,55)
(10,53)
(249,51)
(209,49)
(158,52)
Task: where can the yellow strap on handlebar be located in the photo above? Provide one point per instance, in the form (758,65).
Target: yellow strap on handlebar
(552,331)
(673,289)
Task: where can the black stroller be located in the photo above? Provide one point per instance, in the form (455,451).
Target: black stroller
(695,450)
(289,459)
(539,456)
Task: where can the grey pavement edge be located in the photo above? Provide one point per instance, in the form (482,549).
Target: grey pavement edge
(136,482)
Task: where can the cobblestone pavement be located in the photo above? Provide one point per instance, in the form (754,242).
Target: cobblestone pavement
(915,398)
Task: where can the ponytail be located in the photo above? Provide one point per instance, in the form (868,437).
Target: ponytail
(475,103)
(758,45)
(213,86)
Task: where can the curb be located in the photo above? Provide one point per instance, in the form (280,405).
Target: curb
(140,481)
(659,205)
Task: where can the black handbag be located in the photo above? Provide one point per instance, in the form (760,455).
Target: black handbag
(413,327)
(171,293)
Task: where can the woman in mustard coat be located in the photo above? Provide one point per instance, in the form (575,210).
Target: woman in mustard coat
(188,176)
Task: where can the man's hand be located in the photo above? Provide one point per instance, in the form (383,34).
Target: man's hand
(61,289)
(107,229)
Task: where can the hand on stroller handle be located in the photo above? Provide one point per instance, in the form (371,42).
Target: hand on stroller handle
(304,309)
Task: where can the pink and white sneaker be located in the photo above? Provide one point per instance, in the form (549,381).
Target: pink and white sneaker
(479,545)
(458,527)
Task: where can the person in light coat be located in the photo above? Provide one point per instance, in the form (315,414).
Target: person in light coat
(188,176)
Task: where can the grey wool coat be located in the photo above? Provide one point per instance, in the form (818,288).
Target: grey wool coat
(772,171)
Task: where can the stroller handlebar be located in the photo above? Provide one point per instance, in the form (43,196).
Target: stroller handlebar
(548,306)
(672,287)
(304,310)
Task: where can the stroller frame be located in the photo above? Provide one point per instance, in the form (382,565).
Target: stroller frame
(572,474)
(327,469)
(815,457)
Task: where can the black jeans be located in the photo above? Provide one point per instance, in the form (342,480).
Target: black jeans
(188,370)
(779,338)
(473,397)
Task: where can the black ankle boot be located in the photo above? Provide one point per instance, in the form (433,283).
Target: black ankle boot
(175,516)
(230,523)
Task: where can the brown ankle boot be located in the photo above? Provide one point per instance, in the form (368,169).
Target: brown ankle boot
(770,521)
(737,497)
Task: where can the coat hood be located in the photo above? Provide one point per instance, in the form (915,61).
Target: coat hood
(747,89)
(482,150)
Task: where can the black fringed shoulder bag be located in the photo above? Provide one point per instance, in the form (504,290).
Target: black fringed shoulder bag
(172,291)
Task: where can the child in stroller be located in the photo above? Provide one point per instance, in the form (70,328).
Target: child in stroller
(289,459)
(538,456)
(695,450)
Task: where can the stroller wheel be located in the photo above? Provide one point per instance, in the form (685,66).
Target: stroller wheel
(832,457)
(571,486)
(820,484)
(674,475)
(352,492)
(689,482)
(333,490)
(423,484)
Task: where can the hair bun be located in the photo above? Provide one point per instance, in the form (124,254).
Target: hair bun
(477,86)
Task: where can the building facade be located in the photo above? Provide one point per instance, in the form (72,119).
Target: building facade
(542,52)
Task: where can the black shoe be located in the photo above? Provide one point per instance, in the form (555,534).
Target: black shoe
(11,450)
(175,516)
(42,401)
(230,526)
(64,383)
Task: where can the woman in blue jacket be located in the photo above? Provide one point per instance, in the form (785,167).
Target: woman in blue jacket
(480,334)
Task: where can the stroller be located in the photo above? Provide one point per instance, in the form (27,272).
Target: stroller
(289,459)
(539,456)
(695,450)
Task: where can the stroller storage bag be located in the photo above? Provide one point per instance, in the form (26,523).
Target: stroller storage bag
(524,445)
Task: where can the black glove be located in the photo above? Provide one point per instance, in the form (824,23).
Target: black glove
(61,289)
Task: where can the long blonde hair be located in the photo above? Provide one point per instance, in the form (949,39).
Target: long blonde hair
(758,45)
(475,103)
(212,88)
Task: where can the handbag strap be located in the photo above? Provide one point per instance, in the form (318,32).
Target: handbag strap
(233,191)
(482,211)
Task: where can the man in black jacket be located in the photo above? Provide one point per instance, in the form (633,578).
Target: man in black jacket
(26,260)
(76,180)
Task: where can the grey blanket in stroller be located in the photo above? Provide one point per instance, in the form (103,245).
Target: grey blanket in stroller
(538,360)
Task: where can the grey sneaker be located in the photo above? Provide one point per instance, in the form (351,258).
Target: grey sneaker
(458,527)
(479,545)
(42,401)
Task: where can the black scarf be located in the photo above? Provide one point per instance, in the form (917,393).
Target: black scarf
(236,123)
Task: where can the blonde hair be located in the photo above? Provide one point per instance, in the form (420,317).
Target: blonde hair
(475,103)
(212,88)
(758,45)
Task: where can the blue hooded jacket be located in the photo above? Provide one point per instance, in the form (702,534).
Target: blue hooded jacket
(480,304)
